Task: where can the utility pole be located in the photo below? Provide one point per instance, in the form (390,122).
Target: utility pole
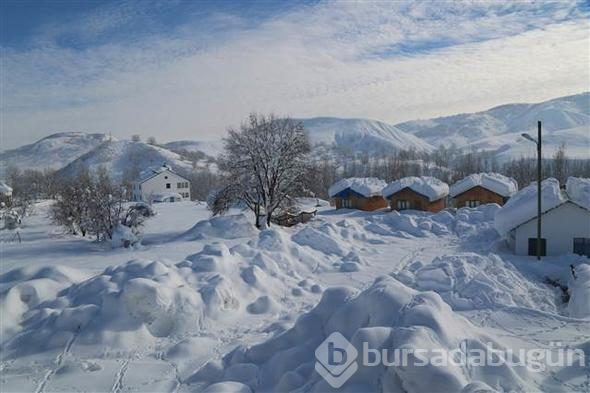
(539,177)
(539,188)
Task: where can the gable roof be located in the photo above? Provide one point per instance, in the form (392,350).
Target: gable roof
(5,189)
(365,186)
(153,172)
(549,210)
(522,206)
(494,182)
(430,187)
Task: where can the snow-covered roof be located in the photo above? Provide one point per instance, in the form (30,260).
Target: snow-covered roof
(153,171)
(522,206)
(495,182)
(578,191)
(431,187)
(5,189)
(366,186)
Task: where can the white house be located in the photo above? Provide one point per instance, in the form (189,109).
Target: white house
(161,185)
(565,219)
(5,193)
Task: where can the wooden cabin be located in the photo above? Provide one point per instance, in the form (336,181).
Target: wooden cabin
(417,193)
(358,193)
(481,188)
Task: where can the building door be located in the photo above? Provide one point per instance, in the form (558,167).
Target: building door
(533,246)
(582,246)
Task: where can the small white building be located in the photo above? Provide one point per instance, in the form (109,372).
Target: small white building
(5,193)
(565,219)
(161,185)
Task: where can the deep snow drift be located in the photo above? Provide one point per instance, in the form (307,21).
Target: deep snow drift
(388,316)
(219,305)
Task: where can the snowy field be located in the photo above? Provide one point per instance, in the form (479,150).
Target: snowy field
(216,305)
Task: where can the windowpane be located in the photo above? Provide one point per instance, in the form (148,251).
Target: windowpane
(582,246)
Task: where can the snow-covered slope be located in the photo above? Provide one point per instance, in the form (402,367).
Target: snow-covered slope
(557,114)
(126,157)
(53,151)
(513,145)
(361,135)
(210,148)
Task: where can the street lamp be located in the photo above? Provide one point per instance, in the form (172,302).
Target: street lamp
(538,143)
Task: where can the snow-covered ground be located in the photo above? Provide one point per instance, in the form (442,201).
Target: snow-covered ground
(216,304)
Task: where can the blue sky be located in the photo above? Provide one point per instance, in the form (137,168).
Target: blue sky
(188,69)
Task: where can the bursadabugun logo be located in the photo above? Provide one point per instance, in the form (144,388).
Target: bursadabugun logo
(336,360)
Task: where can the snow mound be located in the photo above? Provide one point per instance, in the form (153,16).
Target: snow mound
(365,186)
(320,241)
(223,227)
(432,188)
(472,281)
(579,304)
(125,306)
(25,288)
(476,225)
(578,190)
(386,316)
(522,206)
(495,182)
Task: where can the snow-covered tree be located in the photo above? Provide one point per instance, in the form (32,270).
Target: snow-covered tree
(265,161)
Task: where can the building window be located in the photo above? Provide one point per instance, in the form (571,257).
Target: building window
(533,246)
(472,203)
(402,204)
(183,184)
(167,185)
(346,203)
(582,246)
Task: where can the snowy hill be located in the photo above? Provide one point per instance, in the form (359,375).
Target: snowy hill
(126,157)
(53,151)
(361,135)
(209,148)
(566,120)
(500,127)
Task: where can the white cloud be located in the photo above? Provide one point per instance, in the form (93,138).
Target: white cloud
(341,59)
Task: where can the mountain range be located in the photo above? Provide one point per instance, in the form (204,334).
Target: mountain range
(566,120)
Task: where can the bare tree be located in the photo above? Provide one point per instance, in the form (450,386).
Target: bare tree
(136,138)
(560,164)
(265,161)
(152,140)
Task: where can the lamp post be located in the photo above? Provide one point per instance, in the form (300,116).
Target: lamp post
(539,174)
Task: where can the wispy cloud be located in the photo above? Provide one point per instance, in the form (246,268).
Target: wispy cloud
(390,61)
